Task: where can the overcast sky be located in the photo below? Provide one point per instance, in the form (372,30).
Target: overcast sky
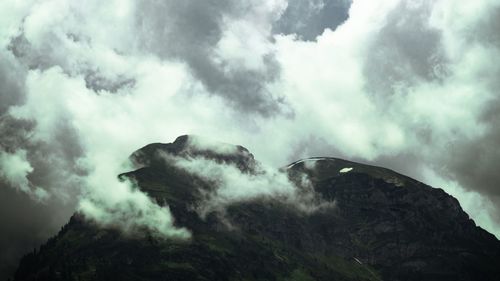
(411,85)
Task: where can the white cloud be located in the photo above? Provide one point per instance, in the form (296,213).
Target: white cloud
(204,143)
(14,167)
(111,203)
(234,186)
(11,16)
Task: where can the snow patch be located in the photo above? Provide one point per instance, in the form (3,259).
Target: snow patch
(309,163)
(346,170)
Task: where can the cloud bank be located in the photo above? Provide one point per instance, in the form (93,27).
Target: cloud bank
(411,85)
(232,184)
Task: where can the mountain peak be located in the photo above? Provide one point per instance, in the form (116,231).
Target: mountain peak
(193,146)
(380,225)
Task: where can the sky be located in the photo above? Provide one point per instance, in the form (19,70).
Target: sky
(411,85)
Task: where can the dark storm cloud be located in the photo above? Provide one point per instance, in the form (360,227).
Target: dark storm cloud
(189,32)
(486,31)
(15,133)
(404,52)
(42,57)
(97,82)
(308,19)
(474,161)
(11,85)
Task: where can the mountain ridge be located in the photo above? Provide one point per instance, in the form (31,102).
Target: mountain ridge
(380,225)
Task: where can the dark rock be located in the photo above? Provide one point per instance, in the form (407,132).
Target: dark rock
(383,226)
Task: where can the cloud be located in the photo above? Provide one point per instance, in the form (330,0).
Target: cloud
(127,208)
(225,44)
(309,19)
(232,185)
(14,168)
(12,75)
(104,199)
(204,143)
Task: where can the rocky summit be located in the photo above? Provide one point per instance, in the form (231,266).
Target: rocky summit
(377,225)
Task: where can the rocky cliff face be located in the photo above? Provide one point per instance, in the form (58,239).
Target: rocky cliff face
(378,225)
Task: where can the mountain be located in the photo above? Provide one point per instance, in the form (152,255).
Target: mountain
(376,225)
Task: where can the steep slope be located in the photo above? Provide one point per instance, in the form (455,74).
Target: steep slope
(377,225)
